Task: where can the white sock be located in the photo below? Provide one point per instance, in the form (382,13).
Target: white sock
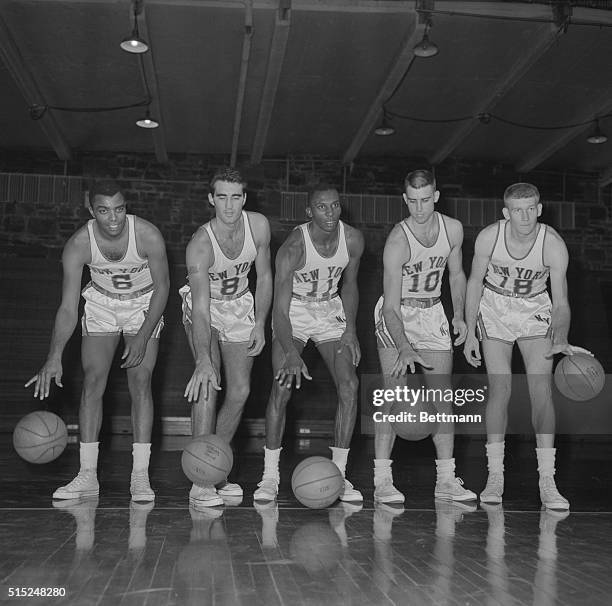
(546,461)
(88,454)
(271,459)
(339,457)
(382,470)
(141,452)
(495,457)
(445,469)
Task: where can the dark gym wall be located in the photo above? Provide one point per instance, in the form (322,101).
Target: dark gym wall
(173,197)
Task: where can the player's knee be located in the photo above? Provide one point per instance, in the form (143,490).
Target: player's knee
(347,389)
(94,384)
(140,381)
(279,395)
(238,393)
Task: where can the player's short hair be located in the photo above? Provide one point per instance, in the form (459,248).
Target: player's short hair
(419,178)
(104,187)
(318,187)
(228,175)
(519,191)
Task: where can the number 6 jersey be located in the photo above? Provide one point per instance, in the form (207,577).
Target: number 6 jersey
(129,275)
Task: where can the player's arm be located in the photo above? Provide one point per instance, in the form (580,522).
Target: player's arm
(74,257)
(263,288)
(556,258)
(456,277)
(200,257)
(151,246)
(395,254)
(349,293)
(483,249)
(290,256)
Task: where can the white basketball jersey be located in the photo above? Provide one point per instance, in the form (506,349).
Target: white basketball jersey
(517,277)
(422,274)
(128,275)
(319,276)
(227,276)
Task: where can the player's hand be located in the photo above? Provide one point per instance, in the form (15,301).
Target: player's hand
(459,329)
(471,350)
(349,340)
(257,340)
(293,366)
(566,349)
(204,377)
(407,358)
(134,351)
(42,380)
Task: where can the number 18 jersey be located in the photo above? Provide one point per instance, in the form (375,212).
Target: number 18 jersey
(422,274)
(130,274)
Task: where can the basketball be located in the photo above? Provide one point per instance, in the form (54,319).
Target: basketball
(579,377)
(316,547)
(207,460)
(40,437)
(317,482)
(408,424)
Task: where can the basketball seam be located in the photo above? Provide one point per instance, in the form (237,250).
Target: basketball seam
(42,419)
(580,371)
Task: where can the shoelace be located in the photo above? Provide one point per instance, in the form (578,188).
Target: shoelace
(83,477)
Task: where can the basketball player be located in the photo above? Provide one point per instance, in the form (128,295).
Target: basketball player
(221,319)
(411,326)
(127,294)
(515,257)
(308,305)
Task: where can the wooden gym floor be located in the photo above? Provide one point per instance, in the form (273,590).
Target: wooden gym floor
(109,551)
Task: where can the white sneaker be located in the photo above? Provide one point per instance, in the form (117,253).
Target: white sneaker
(452,490)
(494,490)
(350,494)
(385,492)
(550,496)
(267,491)
(140,487)
(84,485)
(204,496)
(229,490)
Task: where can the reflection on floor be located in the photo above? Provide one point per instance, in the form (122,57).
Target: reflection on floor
(108,550)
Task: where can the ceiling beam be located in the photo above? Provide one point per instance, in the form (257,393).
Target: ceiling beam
(148,65)
(490,8)
(544,39)
(402,62)
(12,59)
(242,79)
(559,140)
(605,178)
(276,58)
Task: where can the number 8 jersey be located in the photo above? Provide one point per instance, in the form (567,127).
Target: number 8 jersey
(422,274)
(129,275)
(229,277)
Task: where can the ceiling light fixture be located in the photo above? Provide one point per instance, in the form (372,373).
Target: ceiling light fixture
(597,137)
(426,48)
(134,43)
(385,129)
(147,121)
